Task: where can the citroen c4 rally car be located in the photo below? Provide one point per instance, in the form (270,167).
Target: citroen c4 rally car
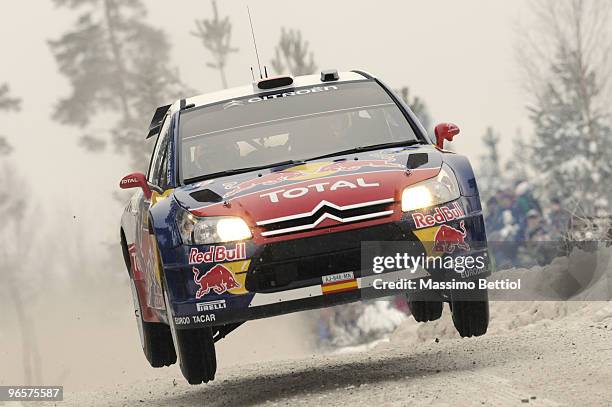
(258,200)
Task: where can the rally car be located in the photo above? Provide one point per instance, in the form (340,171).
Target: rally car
(259,200)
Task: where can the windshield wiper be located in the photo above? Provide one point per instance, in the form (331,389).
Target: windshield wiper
(368,148)
(233,171)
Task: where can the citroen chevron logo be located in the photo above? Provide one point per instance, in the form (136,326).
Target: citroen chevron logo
(325,216)
(233,103)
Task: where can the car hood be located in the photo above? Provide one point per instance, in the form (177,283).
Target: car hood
(338,182)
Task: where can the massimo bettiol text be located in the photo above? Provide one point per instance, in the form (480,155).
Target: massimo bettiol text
(464,266)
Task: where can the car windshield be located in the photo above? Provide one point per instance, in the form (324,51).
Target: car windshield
(288,125)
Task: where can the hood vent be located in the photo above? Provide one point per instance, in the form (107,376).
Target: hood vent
(206,195)
(416,160)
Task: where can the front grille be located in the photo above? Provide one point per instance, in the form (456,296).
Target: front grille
(326,210)
(300,262)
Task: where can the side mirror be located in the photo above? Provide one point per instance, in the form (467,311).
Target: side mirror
(445,131)
(136,180)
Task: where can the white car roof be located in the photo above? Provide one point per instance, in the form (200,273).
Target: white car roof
(241,91)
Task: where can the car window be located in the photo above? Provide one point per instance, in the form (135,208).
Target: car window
(296,124)
(163,180)
(161,147)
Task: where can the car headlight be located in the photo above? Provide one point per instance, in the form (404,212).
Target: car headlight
(217,229)
(435,191)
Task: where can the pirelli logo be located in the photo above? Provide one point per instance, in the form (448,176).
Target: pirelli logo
(210,305)
(337,283)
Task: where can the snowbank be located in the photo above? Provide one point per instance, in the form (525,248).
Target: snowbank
(588,289)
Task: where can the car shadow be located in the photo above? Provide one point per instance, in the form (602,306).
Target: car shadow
(300,379)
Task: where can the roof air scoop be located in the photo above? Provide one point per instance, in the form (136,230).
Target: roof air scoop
(329,75)
(275,82)
(157,120)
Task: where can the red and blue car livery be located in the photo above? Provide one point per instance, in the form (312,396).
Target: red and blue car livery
(258,201)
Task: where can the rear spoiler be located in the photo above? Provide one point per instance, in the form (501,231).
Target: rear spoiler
(156,121)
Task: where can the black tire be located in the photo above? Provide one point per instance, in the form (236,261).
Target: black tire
(425,311)
(197,357)
(195,349)
(155,338)
(471,317)
(157,344)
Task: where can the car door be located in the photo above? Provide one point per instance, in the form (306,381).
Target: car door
(158,177)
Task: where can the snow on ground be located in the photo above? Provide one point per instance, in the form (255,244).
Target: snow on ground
(565,361)
(589,287)
(539,353)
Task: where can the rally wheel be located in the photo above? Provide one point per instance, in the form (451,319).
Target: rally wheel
(471,316)
(155,338)
(197,357)
(195,348)
(157,344)
(425,311)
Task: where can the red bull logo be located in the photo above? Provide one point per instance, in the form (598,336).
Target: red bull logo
(447,239)
(356,165)
(440,215)
(265,180)
(218,279)
(217,254)
(308,171)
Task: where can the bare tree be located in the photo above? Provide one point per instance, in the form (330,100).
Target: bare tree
(15,230)
(7,103)
(116,63)
(579,29)
(564,54)
(292,54)
(216,36)
(490,179)
(514,169)
(417,105)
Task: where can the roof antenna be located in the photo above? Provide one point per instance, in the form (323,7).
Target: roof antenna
(252,74)
(266,71)
(254,43)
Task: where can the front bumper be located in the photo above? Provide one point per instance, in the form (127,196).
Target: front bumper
(264,280)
